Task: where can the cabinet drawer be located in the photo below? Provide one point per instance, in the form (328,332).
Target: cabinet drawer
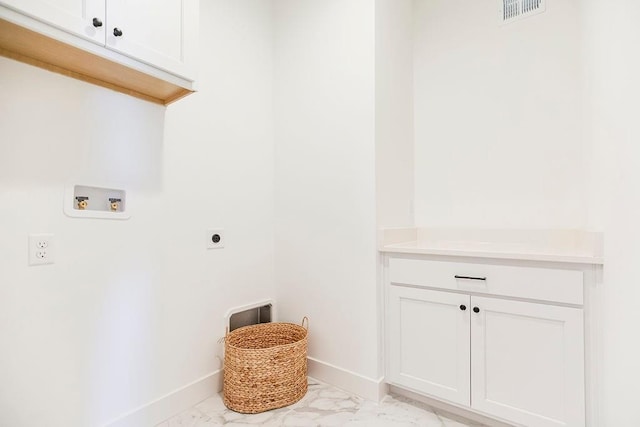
(546,284)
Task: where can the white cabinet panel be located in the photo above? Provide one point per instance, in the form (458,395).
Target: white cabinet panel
(74,16)
(153,57)
(159,32)
(429,342)
(527,362)
(547,284)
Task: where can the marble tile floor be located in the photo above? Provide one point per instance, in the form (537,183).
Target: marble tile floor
(323,406)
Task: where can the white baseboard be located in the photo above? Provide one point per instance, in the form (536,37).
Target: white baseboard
(450,410)
(167,406)
(163,408)
(349,381)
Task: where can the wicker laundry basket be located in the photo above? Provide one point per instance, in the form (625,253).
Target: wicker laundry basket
(265,366)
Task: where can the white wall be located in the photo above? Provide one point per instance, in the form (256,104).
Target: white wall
(498,117)
(481,160)
(612,90)
(394,113)
(133,310)
(325,177)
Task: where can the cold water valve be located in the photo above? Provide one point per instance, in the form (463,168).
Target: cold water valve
(115,203)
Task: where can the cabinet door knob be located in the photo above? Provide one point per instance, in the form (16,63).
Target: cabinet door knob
(117,32)
(476,310)
(463,307)
(97,22)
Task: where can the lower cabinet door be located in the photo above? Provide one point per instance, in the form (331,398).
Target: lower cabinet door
(428,342)
(527,362)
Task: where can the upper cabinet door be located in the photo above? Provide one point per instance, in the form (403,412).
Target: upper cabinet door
(162,33)
(74,16)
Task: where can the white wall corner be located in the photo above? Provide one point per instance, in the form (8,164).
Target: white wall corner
(346,380)
(165,407)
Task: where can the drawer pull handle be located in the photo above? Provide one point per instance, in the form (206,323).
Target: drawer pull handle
(117,32)
(476,310)
(470,277)
(463,307)
(97,22)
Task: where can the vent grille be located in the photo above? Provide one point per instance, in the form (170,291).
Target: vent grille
(249,315)
(511,10)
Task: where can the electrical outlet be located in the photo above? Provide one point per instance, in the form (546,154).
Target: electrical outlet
(41,249)
(215,239)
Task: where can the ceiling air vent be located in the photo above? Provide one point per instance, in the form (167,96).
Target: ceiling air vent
(512,10)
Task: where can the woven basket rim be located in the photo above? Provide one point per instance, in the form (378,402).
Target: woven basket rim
(266,325)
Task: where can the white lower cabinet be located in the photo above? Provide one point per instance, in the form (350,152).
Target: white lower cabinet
(429,342)
(527,362)
(522,362)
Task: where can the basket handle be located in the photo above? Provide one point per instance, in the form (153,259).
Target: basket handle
(223,339)
(305,318)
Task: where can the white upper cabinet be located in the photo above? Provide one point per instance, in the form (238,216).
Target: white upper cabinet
(158,32)
(74,16)
(156,37)
(161,33)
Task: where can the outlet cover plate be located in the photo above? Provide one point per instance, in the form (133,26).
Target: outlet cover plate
(41,249)
(214,242)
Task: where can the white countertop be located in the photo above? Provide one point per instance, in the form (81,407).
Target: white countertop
(568,246)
